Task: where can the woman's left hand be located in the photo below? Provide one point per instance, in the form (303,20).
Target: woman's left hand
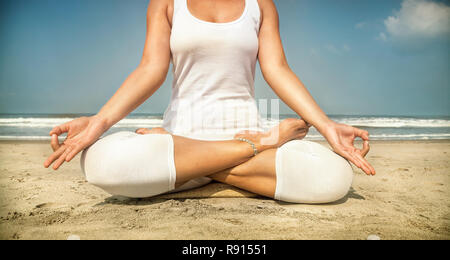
(341,138)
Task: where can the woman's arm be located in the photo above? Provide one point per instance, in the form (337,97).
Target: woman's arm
(142,83)
(278,74)
(151,73)
(291,90)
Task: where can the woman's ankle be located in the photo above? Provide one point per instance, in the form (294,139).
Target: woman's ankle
(258,141)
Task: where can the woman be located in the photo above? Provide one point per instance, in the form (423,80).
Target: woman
(213,46)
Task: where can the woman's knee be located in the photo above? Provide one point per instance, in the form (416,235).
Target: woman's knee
(129,164)
(308,172)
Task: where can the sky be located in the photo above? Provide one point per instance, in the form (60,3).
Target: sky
(356,57)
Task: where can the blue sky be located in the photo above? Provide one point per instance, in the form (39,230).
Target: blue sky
(383,57)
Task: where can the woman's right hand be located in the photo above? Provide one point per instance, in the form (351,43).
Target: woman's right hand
(81,133)
(341,138)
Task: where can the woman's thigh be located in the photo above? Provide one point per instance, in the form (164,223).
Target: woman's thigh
(132,165)
(308,172)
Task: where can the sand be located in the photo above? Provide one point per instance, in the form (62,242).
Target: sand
(407,199)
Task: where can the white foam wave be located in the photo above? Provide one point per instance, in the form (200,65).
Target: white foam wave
(395,122)
(52,122)
(388,122)
(391,122)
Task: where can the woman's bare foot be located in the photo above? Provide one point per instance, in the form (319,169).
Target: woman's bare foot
(289,129)
(156,130)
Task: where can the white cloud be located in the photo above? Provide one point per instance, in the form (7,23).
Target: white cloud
(346,48)
(360,25)
(332,48)
(382,37)
(421,19)
(335,50)
(314,52)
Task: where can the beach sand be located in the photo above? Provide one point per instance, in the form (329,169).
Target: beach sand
(407,199)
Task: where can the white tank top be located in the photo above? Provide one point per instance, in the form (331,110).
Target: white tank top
(213,75)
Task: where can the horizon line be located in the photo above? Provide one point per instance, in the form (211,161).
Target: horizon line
(269,115)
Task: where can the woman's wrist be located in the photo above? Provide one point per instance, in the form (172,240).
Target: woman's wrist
(101,121)
(325,125)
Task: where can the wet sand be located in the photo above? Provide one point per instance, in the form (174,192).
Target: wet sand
(407,199)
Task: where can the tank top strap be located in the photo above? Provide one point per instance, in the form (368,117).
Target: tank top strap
(254,13)
(177,5)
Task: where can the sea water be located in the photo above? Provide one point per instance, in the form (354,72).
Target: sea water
(37,126)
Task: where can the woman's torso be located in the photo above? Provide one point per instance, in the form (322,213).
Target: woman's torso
(213,74)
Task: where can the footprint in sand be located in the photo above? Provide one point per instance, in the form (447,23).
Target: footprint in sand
(45,205)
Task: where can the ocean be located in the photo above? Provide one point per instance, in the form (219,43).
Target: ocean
(37,126)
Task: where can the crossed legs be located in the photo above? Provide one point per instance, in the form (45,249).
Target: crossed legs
(290,170)
(232,162)
(273,172)
(257,175)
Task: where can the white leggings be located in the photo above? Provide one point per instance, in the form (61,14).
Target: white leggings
(140,166)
